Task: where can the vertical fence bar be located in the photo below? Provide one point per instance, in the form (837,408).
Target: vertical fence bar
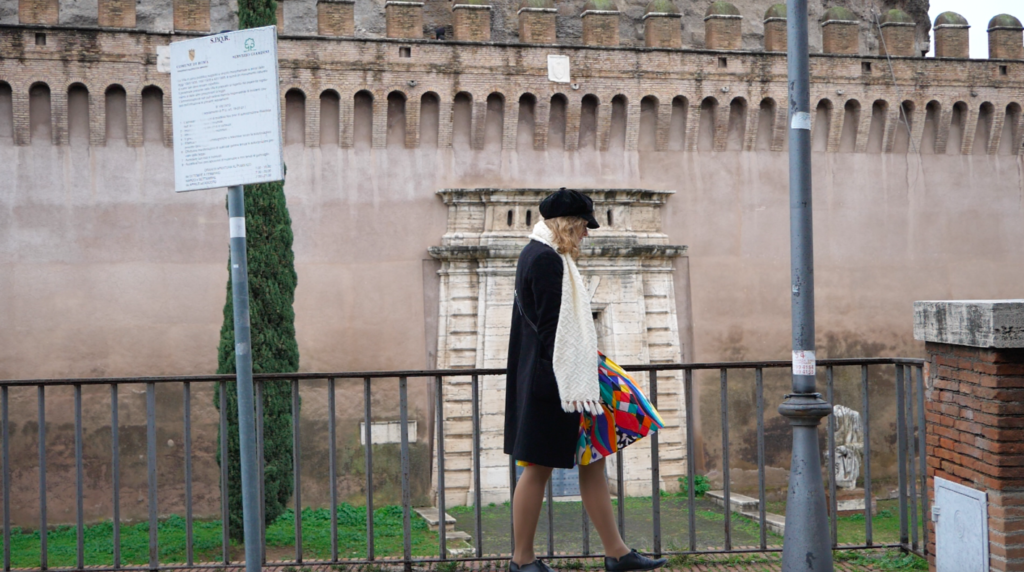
(79,500)
(4,420)
(921,452)
(511,498)
(585,520)
(332,468)
(262,470)
(911,457)
(724,391)
(761,509)
(154,552)
(865,422)
(442,517)
(620,493)
(655,470)
(225,538)
(477,515)
(297,469)
(368,435)
(187,391)
(551,518)
(690,461)
(832,502)
(115,469)
(43,534)
(901,451)
(403,399)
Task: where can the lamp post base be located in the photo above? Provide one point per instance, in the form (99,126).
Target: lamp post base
(807,545)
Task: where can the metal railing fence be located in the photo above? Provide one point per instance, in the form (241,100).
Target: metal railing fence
(910,437)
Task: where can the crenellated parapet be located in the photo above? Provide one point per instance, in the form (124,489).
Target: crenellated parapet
(416,93)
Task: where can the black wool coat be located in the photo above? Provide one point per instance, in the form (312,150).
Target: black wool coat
(537,430)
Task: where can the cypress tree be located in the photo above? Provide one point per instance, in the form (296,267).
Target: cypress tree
(272,281)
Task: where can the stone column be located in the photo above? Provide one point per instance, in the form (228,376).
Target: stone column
(974,412)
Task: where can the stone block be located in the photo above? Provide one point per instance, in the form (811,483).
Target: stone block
(335,17)
(972,323)
(192,15)
(38,11)
(116,13)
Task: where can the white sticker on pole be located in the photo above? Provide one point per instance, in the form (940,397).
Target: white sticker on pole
(237,226)
(226,105)
(803,362)
(801,120)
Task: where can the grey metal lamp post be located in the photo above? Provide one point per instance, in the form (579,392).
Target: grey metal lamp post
(806,545)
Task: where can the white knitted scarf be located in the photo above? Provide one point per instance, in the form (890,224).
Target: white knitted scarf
(575,359)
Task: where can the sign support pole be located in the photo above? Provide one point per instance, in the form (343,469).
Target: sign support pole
(243,369)
(807,545)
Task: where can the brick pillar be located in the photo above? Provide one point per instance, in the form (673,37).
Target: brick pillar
(723,31)
(192,15)
(775,36)
(1005,38)
(840,34)
(951,41)
(897,33)
(336,17)
(974,412)
(662,30)
(279,17)
(117,13)
(600,27)
(38,11)
(537,25)
(404,19)
(472,22)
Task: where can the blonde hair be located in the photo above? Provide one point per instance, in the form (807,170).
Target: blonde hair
(568,231)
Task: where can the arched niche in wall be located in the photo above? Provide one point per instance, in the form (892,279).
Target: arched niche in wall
(876,133)
(117,113)
(588,122)
(330,118)
(294,117)
(765,124)
(904,129)
(822,126)
(462,121)
(430,114)
(647,139)
(957,126)
(39,117)
(6,111)
(152,115)
(677,123)
(362,119)
(930,133)
(78,114)
(557,121)
(494,122)
(1009,141)
(396,120)
(526,129)
(706,128)
(983,132)
(851,124)
(617,135)
(737,124)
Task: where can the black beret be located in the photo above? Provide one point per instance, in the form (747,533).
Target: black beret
(565,202)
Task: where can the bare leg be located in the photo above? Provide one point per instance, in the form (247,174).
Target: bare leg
(597,501)
(526,505)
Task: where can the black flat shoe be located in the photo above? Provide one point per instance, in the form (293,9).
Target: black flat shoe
(537,565)
(632,561)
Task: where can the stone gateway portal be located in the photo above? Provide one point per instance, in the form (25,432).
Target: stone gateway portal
(627,265)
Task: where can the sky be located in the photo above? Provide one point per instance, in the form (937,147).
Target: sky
(978,13)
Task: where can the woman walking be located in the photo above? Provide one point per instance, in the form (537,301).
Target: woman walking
(554,396)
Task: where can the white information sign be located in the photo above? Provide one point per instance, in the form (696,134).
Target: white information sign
(227,110)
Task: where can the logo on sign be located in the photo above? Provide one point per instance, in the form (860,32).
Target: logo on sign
(191,55)
(250,44)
